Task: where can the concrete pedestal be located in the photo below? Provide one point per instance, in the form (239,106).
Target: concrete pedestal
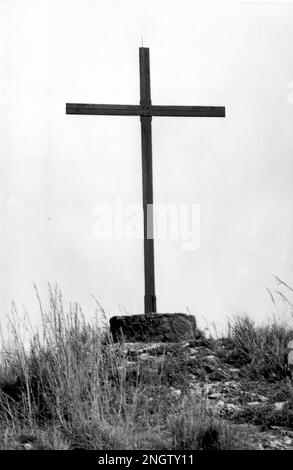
(153,328)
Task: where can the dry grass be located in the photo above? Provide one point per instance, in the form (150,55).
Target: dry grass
(194,428)
(261,349)
(70,387)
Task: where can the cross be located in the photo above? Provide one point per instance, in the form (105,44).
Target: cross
(146,110)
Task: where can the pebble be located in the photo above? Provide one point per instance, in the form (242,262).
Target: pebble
(232,407)
(262,398)
(279,405)
(145,357)
(211,357)
(220,404)
(214,396)
(231,384)
(27,446)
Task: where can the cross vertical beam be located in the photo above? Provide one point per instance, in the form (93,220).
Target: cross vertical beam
(150,304)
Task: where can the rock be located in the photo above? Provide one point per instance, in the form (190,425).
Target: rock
(211,357)
(186,345)
(275,444)
(262,398)
(165,327)
(231,384)
(233,408)
(214,396)
(198,389)
(234,372)
(279,405)
(145,357)
(176,393)
(138,349)
(27,446)
(220,404)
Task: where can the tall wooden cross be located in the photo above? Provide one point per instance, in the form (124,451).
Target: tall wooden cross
(146,110)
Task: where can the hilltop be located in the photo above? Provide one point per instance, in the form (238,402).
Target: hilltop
(74,388)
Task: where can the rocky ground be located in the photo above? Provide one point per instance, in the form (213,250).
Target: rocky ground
(88,392)
(260,408)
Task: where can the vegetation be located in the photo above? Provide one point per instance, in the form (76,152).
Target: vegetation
(71,387)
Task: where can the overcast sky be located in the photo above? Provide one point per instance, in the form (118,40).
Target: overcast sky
(55,168)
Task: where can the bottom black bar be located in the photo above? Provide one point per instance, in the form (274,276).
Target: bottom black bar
(128,459)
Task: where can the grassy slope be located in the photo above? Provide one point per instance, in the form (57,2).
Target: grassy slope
(73,388)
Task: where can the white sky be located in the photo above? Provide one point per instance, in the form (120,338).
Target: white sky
(55,168)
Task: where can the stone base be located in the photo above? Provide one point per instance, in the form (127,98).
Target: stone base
(154,328)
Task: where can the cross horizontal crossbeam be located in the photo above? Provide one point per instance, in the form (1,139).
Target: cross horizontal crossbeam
(134,110)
